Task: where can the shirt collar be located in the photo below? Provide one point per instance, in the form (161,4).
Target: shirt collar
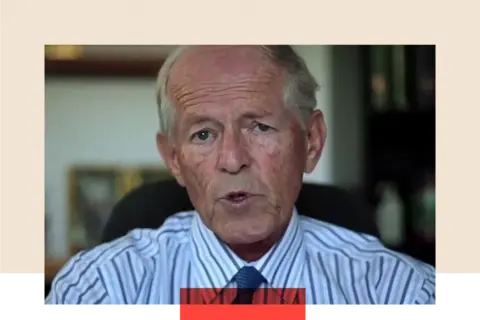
(215,265)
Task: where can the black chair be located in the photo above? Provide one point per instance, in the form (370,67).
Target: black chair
(150,204)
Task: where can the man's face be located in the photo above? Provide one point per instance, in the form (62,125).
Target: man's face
(236,148)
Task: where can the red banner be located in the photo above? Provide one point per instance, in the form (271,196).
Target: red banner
(242,312)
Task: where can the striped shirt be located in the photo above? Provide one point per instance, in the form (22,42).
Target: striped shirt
(332,265)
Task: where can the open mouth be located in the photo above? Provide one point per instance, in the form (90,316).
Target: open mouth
(237,197)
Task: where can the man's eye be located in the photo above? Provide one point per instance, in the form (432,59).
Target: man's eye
(202,135)
(262,127)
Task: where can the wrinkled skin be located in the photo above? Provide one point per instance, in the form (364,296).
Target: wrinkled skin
(233,133)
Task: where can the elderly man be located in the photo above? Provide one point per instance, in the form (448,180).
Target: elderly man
(238,130)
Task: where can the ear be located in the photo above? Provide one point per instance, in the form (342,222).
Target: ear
(316,131)
(167,150)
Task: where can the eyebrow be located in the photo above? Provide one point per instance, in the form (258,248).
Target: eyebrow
(196,119)
(199,118)
(255,115)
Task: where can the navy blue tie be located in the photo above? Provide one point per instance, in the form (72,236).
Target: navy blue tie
(248,280)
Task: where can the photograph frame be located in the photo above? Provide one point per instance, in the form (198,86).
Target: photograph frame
(146,174)
(87,220)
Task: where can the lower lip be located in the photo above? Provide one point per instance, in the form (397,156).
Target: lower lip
(237,203)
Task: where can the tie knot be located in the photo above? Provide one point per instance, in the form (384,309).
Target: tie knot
(249,277)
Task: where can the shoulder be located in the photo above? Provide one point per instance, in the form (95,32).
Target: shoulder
(390,274)
(93,275)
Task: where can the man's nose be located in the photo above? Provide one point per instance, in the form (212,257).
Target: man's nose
(233,155)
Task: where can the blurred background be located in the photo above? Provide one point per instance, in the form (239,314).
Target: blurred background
(101,120)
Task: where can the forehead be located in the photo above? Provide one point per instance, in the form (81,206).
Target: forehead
(207,62)
(224,68)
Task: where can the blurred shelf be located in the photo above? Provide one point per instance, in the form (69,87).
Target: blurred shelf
(103,67)
(400,142)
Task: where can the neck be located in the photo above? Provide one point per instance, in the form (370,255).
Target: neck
(252,251)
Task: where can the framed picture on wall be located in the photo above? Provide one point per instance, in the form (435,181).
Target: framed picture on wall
(146,174)
(93,192)
(149,174)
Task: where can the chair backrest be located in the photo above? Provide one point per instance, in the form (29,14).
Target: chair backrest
(148,205)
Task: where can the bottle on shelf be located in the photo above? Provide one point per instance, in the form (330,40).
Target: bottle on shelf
(390,214)
(399,83)
(379,77)
(424,210)
(424,66)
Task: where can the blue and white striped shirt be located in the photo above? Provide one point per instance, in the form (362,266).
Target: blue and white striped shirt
(334,265)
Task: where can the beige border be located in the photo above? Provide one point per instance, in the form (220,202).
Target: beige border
(27,25)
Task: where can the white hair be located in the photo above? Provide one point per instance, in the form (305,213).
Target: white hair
(299,91)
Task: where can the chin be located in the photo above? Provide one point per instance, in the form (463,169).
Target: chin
(244,240)
(239,236)
(245,227)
